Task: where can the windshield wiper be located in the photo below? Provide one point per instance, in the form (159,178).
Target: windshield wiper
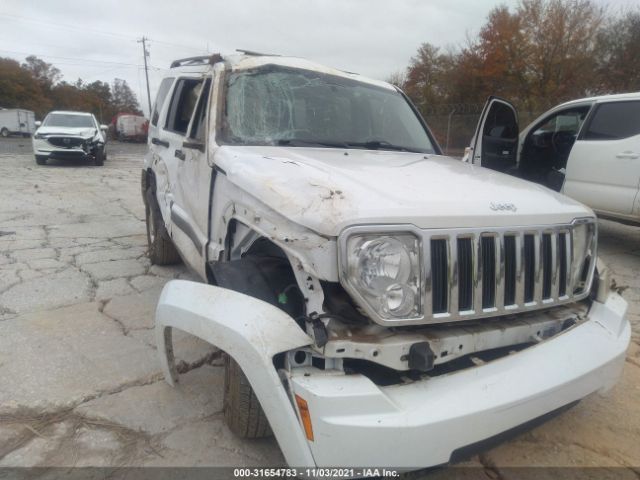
(300,142)
(382,145)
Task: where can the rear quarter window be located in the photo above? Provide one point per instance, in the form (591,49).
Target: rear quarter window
(613,121)
(160,98)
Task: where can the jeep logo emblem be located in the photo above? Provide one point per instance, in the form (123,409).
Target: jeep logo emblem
(66,141)
(502,207)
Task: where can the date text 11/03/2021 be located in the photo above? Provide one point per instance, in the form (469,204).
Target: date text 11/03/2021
(316,472)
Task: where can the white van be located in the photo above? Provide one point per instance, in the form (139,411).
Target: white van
(131,128)
(588,149)
(16,121)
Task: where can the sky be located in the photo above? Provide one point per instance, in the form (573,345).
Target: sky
(98,40)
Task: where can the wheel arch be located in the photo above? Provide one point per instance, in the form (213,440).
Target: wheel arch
(252,332)
(302,263)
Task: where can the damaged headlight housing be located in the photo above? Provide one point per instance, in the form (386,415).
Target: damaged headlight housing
(583,253)
(385,271)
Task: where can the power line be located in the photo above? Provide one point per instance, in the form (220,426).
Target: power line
(105,62)
(99,32)
(195,49)
(67,26)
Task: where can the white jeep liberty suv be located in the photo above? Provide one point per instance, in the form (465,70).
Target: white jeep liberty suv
(378,304)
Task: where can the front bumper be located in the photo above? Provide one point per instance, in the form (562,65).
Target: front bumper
(42,148)
(357,423)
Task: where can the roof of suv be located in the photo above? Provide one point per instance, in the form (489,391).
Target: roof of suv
(247,60)
(70,112)
(604,98)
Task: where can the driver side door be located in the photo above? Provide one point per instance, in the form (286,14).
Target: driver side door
(495,143)
(547,144)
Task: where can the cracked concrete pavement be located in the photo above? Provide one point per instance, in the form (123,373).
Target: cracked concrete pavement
(81,384)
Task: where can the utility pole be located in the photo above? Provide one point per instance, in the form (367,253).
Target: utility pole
(143,40)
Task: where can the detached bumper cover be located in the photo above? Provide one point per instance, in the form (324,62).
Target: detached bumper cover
(357,423)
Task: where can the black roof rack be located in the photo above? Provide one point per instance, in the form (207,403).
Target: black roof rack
(256,54)
(201,60)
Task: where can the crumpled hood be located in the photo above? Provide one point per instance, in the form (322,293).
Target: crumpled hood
(327,189)
(84,132)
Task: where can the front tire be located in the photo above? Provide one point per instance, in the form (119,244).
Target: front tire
(162,251)
(242,411)
(4,132)
(41,160)
(98,160)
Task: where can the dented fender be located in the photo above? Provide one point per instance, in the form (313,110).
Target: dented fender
(249,330)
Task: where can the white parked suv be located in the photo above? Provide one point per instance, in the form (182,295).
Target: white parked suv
(70,135)
(588,149)
(379,303)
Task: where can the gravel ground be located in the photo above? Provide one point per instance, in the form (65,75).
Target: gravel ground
(80,380)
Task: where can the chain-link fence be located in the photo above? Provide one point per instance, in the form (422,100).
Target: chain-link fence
(454,130)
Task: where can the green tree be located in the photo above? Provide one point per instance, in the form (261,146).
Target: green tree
(44,73)
(501,55)
(399,79)
(560,52)
(18,89)
(67,96)
(538,54)
(618,54)
(425,79)
(100,93)
(123,98)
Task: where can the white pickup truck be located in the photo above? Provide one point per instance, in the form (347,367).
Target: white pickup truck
(588,149)
(379,304)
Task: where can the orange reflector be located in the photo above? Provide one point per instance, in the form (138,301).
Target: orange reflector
(305,416)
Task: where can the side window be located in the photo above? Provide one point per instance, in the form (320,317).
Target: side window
(613,121)
(160,98)
(568,121)
(500,123)
(199,124)
(183,102)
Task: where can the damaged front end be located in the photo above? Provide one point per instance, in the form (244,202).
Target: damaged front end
(319,400)
(74,146)
(367,298)
(69,146)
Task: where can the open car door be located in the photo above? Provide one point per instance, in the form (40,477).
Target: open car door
(495,143)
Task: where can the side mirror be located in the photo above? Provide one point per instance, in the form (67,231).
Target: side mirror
(38,123)
(104,128)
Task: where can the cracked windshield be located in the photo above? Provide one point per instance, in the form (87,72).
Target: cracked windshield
(279,106)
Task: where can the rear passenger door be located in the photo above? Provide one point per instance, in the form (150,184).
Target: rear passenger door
(190,211)
(158,148)
(603,169)
(170,139)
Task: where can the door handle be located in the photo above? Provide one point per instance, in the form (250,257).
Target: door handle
(628,155)
(180,154)
(157,141)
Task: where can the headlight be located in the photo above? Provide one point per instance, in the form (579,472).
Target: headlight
(385,271)
(583,251)
(37,136)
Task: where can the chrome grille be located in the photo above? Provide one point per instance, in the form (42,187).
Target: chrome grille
(474,273)
(66,142)
(470,273)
